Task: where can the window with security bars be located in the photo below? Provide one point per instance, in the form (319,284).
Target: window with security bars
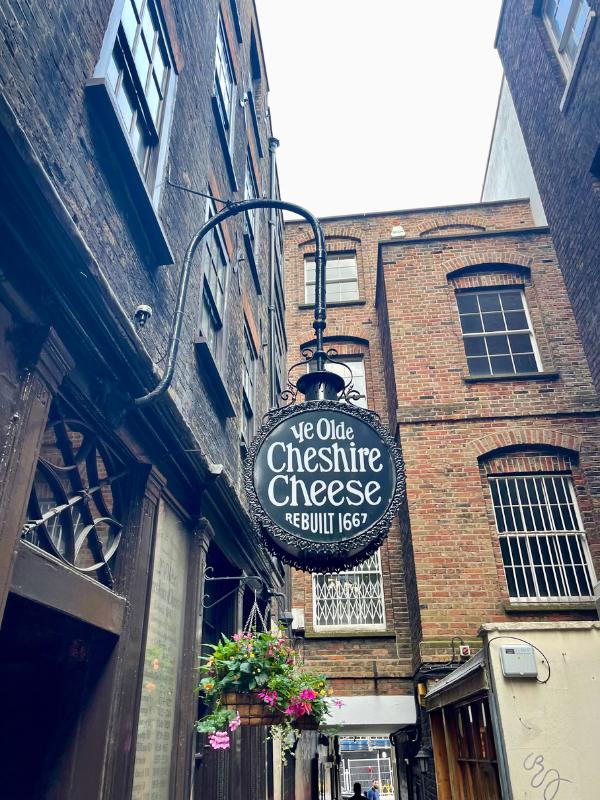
(542,540)
(212,309)
(140,73)
(497,332)
(566,20)
(341,278)
(351,599)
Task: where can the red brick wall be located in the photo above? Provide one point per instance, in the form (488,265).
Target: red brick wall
(442,570)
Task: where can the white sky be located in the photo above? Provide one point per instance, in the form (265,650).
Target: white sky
(381,104)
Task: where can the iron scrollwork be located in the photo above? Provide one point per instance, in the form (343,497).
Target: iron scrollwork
(76,500)
(289,395)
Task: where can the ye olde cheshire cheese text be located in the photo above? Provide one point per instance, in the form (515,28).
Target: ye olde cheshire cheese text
(297,480)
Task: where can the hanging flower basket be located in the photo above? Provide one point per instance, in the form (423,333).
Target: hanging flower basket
(252,679)
(251,708)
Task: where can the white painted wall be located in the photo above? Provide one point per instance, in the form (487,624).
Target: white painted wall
(508,174)
(551,731)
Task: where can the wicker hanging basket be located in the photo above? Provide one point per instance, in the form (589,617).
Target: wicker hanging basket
(306,723)
(252,710)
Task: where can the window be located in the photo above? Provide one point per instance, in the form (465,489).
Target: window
(251,193)
(225,89)
(356,365)
(566,20)
(351,599)
(497,332)
(249,385)
(341,275)
(542,540)
(212,311)
(140,76)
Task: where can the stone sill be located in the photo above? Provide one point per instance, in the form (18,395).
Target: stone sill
(527,608)
(349,634)
(339,304)
(521,376)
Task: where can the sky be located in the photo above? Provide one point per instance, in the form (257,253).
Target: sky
(381,104)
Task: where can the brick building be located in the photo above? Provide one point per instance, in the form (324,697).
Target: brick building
(110,514)
(459,320)
(550,52)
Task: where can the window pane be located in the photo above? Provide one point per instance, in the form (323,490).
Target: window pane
(125,104)
(471,323)
(497,345)
(520,343)
(112,73)
(142,63)
(129,22)
(467,303)
(489,301)
(501,365)
(148,28)
(160,67)
(511,301)
(153,98)
(493,322)
(478,366)
(516,320)
(525,363)
(475,346)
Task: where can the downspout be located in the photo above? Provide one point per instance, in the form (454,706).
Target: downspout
(273,145)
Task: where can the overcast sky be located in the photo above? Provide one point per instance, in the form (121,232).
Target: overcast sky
(381,104)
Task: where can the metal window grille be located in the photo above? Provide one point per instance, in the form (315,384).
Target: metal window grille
(351,599)
(497,332)
(341,274)
(224,78)
(367,770)
(138,73)
(542,540)
(566,20)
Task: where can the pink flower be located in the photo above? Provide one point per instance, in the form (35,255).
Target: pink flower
(219,740)
(338,703)
(237,637)
(269,697)
(308,694)
(235,722)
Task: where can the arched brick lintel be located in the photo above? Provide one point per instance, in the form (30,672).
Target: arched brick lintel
(513,438)
(496,261)
(458,221)
(333,236)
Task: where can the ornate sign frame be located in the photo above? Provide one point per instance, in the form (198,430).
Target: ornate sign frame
(319,556)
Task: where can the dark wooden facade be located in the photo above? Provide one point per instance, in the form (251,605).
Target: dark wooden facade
(110,517)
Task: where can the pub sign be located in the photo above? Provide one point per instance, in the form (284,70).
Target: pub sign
(324,480)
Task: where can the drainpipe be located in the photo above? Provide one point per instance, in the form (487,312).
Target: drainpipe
(273,145)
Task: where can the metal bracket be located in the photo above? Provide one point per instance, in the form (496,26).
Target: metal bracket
(240,579)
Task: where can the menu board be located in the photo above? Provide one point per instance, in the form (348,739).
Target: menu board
(162,659)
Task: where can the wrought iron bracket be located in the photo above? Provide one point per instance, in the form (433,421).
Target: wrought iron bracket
(240,579)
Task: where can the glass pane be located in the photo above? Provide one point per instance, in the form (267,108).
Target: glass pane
(467,303)
(142,63)
(471,323)
(516,321)
(501,365)
(475,346)
(148,28)
(511,301)
(153,98)
(520,343)
(561,12)
(160,68)
(125,105)
(525,363)
(112,73)
(493,322)
(490,301)
(497,345)
(129,22)
(162,660)
(478,366)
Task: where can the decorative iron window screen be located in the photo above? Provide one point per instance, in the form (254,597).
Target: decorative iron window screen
(542,540)
(342,278)
(566,20)
(497,332)
(139,74)
(351,599)
(76,500)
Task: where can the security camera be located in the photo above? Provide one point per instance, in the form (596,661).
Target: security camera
(142,315)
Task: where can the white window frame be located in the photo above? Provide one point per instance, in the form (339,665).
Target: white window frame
(356,571)
(553,535)
(310,260)
(345,363)
(560,39)
(251,193)
(483,334)
(225,87)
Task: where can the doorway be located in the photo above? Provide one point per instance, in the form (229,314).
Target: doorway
(50,666)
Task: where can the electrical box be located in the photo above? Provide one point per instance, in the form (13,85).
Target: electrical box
(518,661)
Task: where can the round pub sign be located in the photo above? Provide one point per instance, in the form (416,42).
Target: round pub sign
(324,480)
